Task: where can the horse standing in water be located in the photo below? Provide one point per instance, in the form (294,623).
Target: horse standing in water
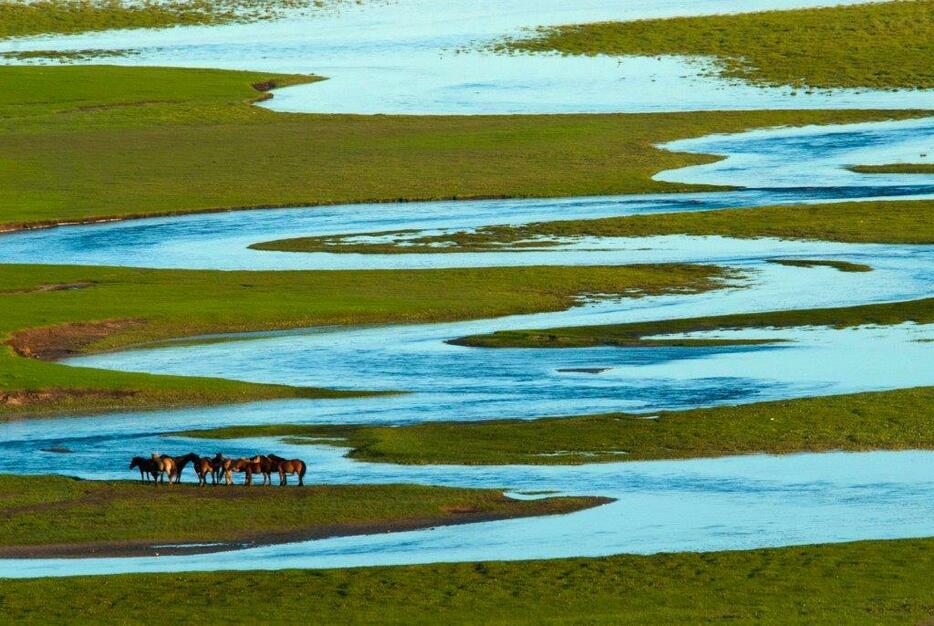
(147,468)
(289,466)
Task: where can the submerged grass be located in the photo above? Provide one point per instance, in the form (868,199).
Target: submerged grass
(90,142)
(905,221)
(878,582)
(636,334)
(110,517)
(880,46)
(889,420)
(53,311)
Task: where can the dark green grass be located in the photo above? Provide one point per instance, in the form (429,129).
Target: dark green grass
(881,46)
(86,142)
(634,334)
(166,304)
(895,168)
(869,582)
(47,510)
(905,221)
(840,266)
(890,420)
(36,17)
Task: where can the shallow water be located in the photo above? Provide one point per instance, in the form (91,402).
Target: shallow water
(376,65)
(409,57)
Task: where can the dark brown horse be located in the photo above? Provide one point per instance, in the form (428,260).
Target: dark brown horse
(204,467)
(248,467)
(221,466)
(180,463)
(265,465)
(147,468)
(289,466)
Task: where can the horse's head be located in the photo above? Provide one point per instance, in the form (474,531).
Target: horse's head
(136,462)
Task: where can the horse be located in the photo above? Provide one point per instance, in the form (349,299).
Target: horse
(204,467)
(289,466)
(147,469)
(164,465)
(180,463)
(247,466)
(221,466)
(264,465)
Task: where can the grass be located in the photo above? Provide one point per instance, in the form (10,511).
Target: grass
(888,420)
(840,266)
(80,143)
(903,221)
(109,516)
(53,311)
(877,582)
(635,334)
(886,45)
(42,17)
(895,168)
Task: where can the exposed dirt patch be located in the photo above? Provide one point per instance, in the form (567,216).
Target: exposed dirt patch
(55,287)
(163,548)
(50,343)
(31,397)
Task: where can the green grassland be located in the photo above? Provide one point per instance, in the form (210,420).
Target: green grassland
(889,420)
(90,142)
(53,514)
(880,46)
(39,17)
(868,582)
(906,221)
(895,168)
(635,334)
(53,311)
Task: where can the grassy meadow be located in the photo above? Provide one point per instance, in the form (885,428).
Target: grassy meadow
(867,582)
(884,45)
(65,17)
(54,515)
(895,168)
(56,311)
(905,221)
(79,143)
(888,420)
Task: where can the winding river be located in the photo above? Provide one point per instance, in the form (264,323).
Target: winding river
(709,504)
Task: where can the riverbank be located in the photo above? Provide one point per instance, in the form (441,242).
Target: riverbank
(889,420)
(882,582)
(54,516)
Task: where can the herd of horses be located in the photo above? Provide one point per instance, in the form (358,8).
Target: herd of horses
(158,468)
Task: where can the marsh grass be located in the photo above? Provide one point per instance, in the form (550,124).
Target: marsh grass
(44,510)
(849,584)
(90,142)
(905,221)
(885,45)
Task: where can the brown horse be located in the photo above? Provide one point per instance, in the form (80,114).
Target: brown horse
(204,467)
(264,465)
(147,468)
(289,466)
(165,466)
(180,463)
(221,466)
(247,467)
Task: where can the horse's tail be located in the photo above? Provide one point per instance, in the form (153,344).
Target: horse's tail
(301,470)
